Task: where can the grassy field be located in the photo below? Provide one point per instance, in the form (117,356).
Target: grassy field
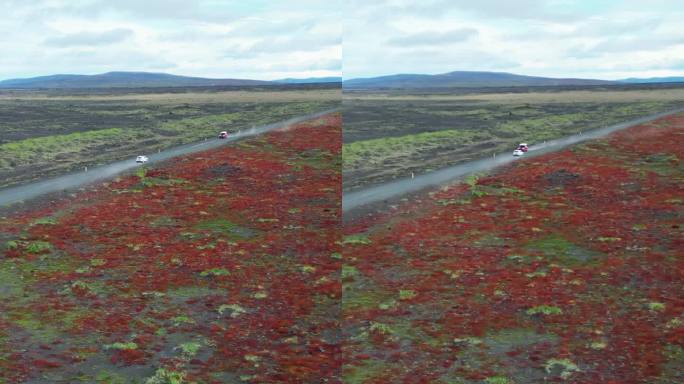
(390,135)
(221,267)
(562,268)
(49,133)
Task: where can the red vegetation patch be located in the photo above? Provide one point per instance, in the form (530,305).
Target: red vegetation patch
(216,266)
(566,267)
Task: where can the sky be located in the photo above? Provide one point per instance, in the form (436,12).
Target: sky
(272,39)
(254,39)
(602,39)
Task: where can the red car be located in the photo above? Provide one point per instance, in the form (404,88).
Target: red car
(223,135)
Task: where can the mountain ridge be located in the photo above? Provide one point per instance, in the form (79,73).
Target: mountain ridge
(464,79)
(644,80)
(121,79)
(309,80)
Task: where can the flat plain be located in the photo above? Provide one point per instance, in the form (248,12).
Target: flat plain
(220,267)
(47,133)
(565,267)
(391,134)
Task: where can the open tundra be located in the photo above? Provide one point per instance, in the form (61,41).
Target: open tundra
(51,132)
(218,267)
(392,134)
(566,267)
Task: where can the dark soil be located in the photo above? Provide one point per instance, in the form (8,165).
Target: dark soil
(560,177)
(223,170)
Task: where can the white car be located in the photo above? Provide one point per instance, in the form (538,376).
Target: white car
(141,159)
(518,152)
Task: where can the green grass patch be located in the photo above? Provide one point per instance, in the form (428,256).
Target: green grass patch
(122,346)
(226,227)
(38,247)
(356,239)
(544,310)
(559,249)
(48,147)
(373,150)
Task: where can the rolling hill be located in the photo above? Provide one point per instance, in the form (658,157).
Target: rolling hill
(636,80)
(122,79)
(463,79)
(309,80)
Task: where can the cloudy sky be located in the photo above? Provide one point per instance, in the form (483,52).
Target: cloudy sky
(607,39)
(270,39)
(259,39)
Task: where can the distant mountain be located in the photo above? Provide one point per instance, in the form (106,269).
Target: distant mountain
(121,79)
(463,79)
(635,80)
(309,80)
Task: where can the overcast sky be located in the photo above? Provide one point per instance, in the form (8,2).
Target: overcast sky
(258,39)
(269,39)
(607,39)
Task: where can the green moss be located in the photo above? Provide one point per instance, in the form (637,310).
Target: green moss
(107,377)
(48,263)
(122,346)
(45,221)
(252,358)
(349,271)
(498,380)
(671,369)
(380,327)
(97,262)
(163,221)
(235,309)
(565,367)
(226,227)
(406,294)
(608,239)
(215,272)
(165,376)
(356,239)
(559,249)
(389,304)
(180,320)
(11,283)
(190,349)
(38,246)
(468,341)
(40,331)
(367,370)
(490,240)
(656,307)
(191,292)
(597,345)
(664,164)
(544,310)
(366,298)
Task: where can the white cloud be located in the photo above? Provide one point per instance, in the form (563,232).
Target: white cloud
(434,38)
(265,39)
(90,38)
(607,39)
